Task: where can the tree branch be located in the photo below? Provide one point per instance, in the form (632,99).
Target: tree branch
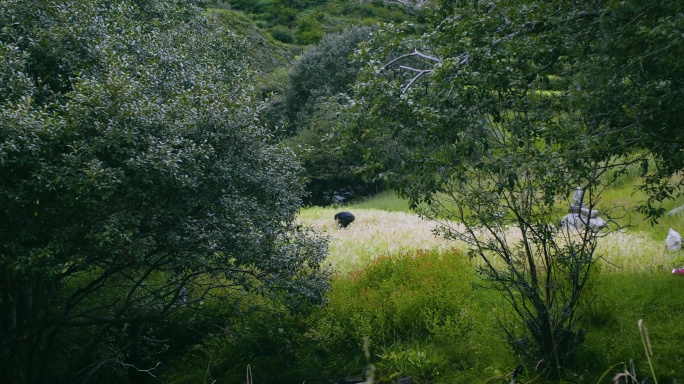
(148,371)
(414,53)
(416,77)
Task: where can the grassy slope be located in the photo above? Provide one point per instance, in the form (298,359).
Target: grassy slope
(334,15)
(266,54)
(635,282)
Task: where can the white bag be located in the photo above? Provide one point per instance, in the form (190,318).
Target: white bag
(673,241)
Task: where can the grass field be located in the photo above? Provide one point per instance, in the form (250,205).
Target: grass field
(384,225)
(374,233)
(635,282)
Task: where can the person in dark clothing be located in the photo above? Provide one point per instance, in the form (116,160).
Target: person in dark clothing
(344,218)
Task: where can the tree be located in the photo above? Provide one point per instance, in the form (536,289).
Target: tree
(631,82)
(325,70)
(135,184)
(496,113)
(310,107)
(330,169)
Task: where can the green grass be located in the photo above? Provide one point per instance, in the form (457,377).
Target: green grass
(634,281)
(621,203)
(387,201)
(422,317)
(618,204)
(264,53)
(623,299)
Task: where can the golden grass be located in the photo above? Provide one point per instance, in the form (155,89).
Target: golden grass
(376,233)
(635,252)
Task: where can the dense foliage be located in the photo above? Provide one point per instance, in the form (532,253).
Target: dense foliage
(148,228)
(309,109)
(498,112)
(305,22)
(134,184)
(392,305)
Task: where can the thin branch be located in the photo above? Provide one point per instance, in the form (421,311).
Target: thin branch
(148,371)
(414,53)
(412,69)
(416,77)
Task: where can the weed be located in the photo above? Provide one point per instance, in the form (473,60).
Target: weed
(398,361)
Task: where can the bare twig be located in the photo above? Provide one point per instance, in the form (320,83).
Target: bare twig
(414,53)
(148,371)
(416,77)
(249,375)
(207,373)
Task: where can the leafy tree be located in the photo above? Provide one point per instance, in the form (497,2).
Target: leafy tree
(631,85)
(329,167)
(324,70)
(466,119)
(135,183)
(309,107)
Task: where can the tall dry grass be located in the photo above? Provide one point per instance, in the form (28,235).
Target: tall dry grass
(376,232)
(627,251)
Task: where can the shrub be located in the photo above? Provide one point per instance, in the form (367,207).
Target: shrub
(309,31)
(252,330)
(324,70)
(281,34)
(395,300)
(397,361)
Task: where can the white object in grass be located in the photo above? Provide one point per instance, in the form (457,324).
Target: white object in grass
(673,240)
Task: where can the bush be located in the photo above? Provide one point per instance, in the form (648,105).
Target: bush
(146,176)
(281,34)
(397,361)
(253,330)
(324,70)
(309,31)
(329,168)
(399,300)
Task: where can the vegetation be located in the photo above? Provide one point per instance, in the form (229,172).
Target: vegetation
(305,22)
(478,132)
(385,252)
(633,281)
(156,156)
(307,109)
(261,52)
(135,183)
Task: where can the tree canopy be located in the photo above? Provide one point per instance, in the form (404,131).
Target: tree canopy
(307,108)
(611,67)
(135,181)
(499,110)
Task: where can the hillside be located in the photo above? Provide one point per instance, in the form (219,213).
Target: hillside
(304,22)
(265,53)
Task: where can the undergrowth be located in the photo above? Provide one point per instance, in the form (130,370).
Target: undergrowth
(418,302)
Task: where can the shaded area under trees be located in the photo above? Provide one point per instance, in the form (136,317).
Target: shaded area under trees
(135,183)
